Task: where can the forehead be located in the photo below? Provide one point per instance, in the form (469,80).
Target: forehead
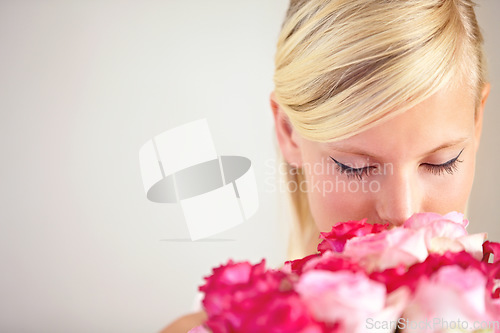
(445,117)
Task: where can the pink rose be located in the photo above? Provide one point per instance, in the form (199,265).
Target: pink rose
(332,261)
(328,261)
(240,297)
(419,220)
(457,218)
(341,232)
(276,312)
(233,284)
(450,294)
(446,233)
(346,298)
(219,287)
(387,249)
(429,268)
(297,266)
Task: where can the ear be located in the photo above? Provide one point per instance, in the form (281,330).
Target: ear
(479,114)
(288,138)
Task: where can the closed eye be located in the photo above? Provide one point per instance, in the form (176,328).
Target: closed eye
(449,167)
(351,172)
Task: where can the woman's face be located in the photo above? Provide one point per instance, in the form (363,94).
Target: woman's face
(419,161)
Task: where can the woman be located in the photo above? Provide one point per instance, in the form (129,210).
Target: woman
(378,109)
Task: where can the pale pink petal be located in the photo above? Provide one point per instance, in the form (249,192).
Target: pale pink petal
(457,218)
(342,296)
(388,249)
(474,244)
(442,244)
(412,243)
(395,304)
(419,220)
(451,293)
(445,228)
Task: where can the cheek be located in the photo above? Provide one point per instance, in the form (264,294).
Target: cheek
(334,198)
(450,192)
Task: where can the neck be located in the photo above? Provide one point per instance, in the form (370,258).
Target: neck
(312,244)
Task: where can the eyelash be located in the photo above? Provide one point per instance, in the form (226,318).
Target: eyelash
(437,169)
(357,173)
(449,167)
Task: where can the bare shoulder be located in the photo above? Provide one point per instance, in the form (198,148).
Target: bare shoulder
(185,323)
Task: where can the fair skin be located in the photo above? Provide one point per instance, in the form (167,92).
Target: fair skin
(185,323)
(419,161)
(410,163)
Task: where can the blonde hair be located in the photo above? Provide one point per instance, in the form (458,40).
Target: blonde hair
(343,66)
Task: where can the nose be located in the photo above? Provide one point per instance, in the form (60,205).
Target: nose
(398,199)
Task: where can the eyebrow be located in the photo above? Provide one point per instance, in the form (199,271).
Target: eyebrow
(448,144)
(346,148)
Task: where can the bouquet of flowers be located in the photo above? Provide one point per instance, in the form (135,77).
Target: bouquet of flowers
(429,275)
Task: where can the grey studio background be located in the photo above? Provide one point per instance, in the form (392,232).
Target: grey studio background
(83,84)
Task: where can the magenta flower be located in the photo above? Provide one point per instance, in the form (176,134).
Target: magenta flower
(341,232)
(364,273)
